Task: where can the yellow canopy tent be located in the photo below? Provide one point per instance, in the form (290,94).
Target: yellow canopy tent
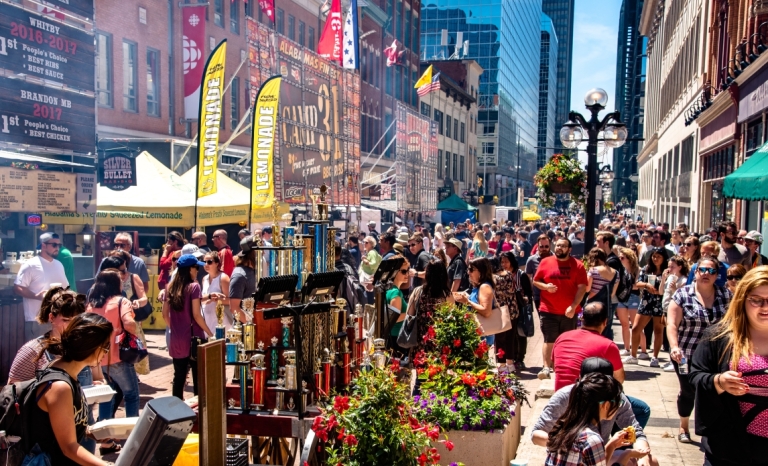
(228,205)
(160,198)
(529,216)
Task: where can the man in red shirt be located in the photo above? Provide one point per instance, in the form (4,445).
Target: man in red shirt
(225,252)
(574,346)
(562,281)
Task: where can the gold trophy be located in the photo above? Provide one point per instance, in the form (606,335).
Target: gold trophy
(277,240)
(220,320)
(322,207)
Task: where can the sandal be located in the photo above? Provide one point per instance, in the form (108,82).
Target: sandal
(114,448)
(684,437)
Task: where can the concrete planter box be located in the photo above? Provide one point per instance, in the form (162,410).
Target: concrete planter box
(483,449)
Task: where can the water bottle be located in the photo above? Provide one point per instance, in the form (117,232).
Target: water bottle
(683,367)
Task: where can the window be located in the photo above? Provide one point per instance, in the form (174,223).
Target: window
(104,69)
(130,76)
(234,102)
(399,84)
(462,132)
(461,168)
(291,27)
(390,72)
(414,93)
(448,121)
(447,166)
(439,163)
(311,38)
(364,65)
(455,129)
(439,120)
(455,166)
(426,110)
(218,12)
(489,128)
(407,39)
(302,26)
(390,12)
(399,20)
(153,82)
(249,9)
(280,21)
(415,33)
(234,17)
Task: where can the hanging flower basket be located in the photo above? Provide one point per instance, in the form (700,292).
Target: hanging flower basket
(561,175)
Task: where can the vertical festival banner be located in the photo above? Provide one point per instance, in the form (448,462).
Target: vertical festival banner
(330,44)
(193,43)
(211,96)
(264,118)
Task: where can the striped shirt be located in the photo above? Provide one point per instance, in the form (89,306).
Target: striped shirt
(26,363)
(696,318)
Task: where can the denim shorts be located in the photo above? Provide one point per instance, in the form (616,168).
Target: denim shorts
(634,301)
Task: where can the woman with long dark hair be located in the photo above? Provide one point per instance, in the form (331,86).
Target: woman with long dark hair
(174,243)
(181,310)
(651,292)
(513,289)
(59,419)
(728,373)
(480,299)
(425,298)
(575,438)
(106,299)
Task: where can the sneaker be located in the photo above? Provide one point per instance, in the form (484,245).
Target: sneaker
(684,437)
(629,360)
(668,367)
(520,365)
(654,362)
(544,373)
(624,353)
(643,356)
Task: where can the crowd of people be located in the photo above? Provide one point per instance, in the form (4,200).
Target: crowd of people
(700,302)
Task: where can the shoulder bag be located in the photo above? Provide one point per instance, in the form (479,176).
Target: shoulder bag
(143,312)
(409,332)
(132,349)
(497,322)
(525,327)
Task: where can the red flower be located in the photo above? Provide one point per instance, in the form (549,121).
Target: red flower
(479,331)
(420,358)
(482,348)
(433,433)
(445,350)
(341,434)
(500,353)
(317,424)
(449,445)
(422,459)
(341,404)
(322,434)
(331,422)
(395,365)
(481,376)
(468,379)
(350,440)
(433,370)
(456,343)
(430,333)
(444,359)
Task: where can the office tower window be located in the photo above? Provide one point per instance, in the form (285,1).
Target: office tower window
(399,20)
(461,168)
(455,129)
(407,39)
(389,78)
(234,17)
(218,12)
(130,76)
(302,26)
(234,102)
(291,27)
(104,69)
(455,166)
(153,82)
(414,94)
(439,120)
(426,110)
(462,133)
(448,122)
(280,21)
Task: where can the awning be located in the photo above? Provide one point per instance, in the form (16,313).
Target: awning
(390,206)
(454,202)
(750,180)
(228,205)
(19,157)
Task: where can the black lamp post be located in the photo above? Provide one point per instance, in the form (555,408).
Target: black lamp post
(614,134)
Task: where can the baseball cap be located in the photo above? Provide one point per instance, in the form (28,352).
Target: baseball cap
(402,230)
(455,242)
(594,364)
(188,260)
(190,248)
(755,236)
(371,223)
(247,244)
(45,237)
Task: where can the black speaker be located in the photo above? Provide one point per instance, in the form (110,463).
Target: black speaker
(159,435)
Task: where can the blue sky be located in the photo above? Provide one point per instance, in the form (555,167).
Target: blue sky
(594,51)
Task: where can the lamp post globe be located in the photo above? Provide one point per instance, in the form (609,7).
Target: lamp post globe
(596,97)
(571,135)
(615,134)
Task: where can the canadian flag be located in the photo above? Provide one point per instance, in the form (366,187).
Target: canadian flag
(330,44)
(193,44)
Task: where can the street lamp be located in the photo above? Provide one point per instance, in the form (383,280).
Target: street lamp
(614,134)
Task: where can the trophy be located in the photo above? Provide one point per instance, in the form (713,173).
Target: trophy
(322,207)
(304,394)
(318,376)
(346,374)
(258,371)
(290,370)
(249,336)
(279,396)
(273,362)
(291,406)
(286,321)
(260,346)
(379,356)
(277,240)
(235,334)
(359,322)
(248,305)
(220,321)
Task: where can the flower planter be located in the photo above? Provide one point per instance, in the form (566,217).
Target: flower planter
(481,448)
(561,188)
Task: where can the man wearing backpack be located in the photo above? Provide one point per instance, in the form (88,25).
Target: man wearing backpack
(605,241)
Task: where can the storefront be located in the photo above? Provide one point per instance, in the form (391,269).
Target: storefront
(753,107)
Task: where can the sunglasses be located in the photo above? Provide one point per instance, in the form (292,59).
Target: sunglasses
(688,244)
(404,271)
(209,262)
(175,259)
(412,245)
(471,269)
(755,301)
(707,270)
(734,277)
(121,245)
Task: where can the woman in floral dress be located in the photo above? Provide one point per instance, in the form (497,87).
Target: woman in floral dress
(507,294)
(424,299)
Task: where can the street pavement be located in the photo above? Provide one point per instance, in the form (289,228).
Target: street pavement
(654,386)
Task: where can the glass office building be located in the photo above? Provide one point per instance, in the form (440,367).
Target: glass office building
(547,92)
(561,14)
(504,38)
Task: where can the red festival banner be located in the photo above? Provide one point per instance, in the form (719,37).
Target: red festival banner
(193,43)
(330,44)
(268,8)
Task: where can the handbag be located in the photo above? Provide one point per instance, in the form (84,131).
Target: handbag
(497,322)
(525,328)
(143,312)
(37,457)
(409,332)
(132,349)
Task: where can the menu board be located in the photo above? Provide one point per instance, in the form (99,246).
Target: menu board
(37,191)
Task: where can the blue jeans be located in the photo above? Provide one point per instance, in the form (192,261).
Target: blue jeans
(85,377)
(608,332)
(641,410)
(124,377)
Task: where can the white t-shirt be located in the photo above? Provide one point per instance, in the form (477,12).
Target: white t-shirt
(37,274)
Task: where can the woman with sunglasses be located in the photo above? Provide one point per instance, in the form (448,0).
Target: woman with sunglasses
(396,302)
(59,419)
(728,373)
(693,309)
(626,311)
(690,250)
(215,289)
(173,244)
(733,276)
(481,297)
(651,292)
(575,438)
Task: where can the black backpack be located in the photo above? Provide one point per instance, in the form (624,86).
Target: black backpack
(624,289)
(16,402)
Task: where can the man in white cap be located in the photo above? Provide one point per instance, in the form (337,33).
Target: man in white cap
(752,241)
(372,230)
(192,249)
(35,278)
